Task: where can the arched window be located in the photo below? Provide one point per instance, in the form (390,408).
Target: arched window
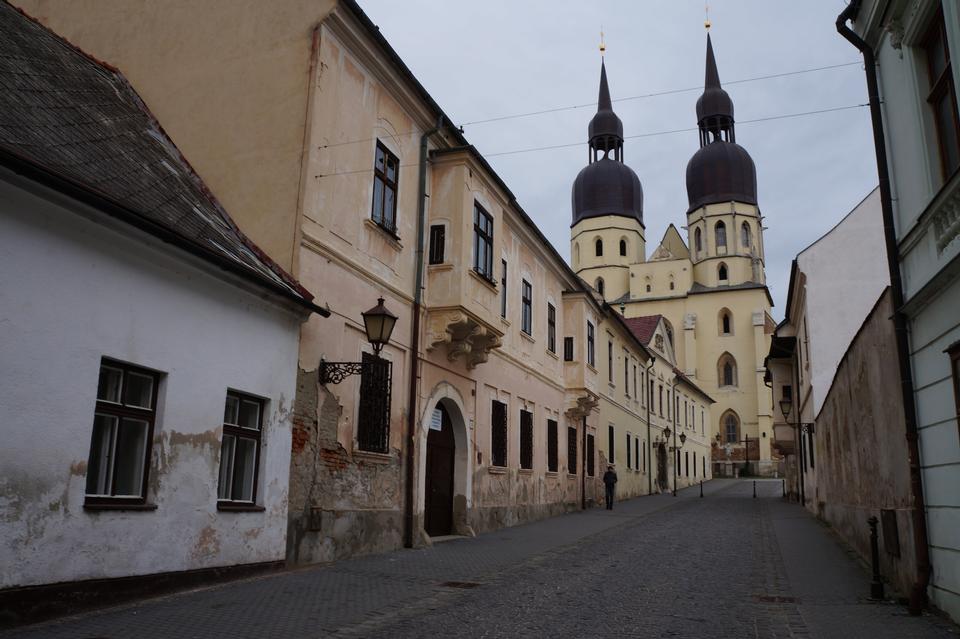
(599,247)
(726,322)
(722,272)
(721,232)
(623,248)
(599,286)
(730,424)
(671,285)
(745,235)
(697,242)
(649,284)
(648,288)
(727,370)
(576,255)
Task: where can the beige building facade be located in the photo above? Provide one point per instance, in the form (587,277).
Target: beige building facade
(710,289)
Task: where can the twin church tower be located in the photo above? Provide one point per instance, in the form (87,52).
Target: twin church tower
(710,287)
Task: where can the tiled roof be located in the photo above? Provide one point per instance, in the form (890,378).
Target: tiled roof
(76,124)
(644,327)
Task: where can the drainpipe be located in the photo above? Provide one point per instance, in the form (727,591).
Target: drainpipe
(415,338)
(583,469)
(918,595)
(649,443)
(796,402)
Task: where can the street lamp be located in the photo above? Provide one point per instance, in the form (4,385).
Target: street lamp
(785,407)
(378,322)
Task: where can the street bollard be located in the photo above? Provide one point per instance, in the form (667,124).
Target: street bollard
(754,489)
(701,488)
(876,585)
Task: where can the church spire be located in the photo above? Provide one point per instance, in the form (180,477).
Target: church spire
(712,79)
(714,108)
(606,129)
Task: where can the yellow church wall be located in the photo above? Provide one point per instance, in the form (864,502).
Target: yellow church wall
(737,256)
(611,267)
(659,276)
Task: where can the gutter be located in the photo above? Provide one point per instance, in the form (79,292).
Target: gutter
(415,338)
(653,361)
(918,594)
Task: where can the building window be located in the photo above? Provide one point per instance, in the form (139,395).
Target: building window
(438,234)
(482,242)
(123,421)
(686,463)
(526,308)
(373,416)
(671,285)
(590,456)
(697,241)
(731,428)
(591,350)
(503,288)
(599,286)
(629,453)
(240,448)
(598,245)
(648,288)
(552,455)
(645,453)
(623,248)
(720,231)
(610,444)
(942,95)
(660,400)
(726,327)
(526,439)
(727,370)
(610,362)
(568,349)
(572,450)
(703,466)
(722,272)
(636,453)
(386,170)
(626,374)
(810,444)
(498,434)
(745,235)
(694,464)
(786,392)
(635,395)
(551,328)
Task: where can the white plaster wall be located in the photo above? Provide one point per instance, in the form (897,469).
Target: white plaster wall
(846,271)
(73,291)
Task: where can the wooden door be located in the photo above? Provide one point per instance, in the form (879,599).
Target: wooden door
(662,466)
(441,451)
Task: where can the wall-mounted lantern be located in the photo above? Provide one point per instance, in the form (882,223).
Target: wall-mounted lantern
(378,322)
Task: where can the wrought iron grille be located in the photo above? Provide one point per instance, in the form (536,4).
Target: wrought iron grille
(572,450)
(590,456)
(373,419)
(526,439)
(498,434)
(552,446)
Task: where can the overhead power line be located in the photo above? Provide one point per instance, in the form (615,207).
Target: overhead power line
(552,147)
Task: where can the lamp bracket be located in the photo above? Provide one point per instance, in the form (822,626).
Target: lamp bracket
(336,372)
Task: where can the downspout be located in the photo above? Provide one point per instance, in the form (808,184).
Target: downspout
(415,338)
(801,462)
(649,443)
(918,595)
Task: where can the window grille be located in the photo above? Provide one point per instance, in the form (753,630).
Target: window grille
(611,444)
(552,452)
(373,418)
(526,439)
(498,434)
(572,450)
(590,456)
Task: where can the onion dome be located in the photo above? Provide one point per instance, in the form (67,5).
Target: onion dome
(606,186)
(722,170)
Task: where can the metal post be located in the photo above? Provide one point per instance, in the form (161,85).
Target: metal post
(754,489)
(701,488)
(876,585)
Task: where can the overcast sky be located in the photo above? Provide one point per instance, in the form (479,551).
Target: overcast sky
(483,60)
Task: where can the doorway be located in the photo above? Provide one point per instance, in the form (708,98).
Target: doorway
(662,466)
(439,473)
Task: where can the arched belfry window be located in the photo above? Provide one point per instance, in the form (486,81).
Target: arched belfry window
(727,370)
(599,286)
(576,255)
(726,322)
(623,248)
(697,242)
(730,424)
(599,247)
(722,273)
(745,235)
(720,230)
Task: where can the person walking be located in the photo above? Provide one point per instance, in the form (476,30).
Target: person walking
(609,481)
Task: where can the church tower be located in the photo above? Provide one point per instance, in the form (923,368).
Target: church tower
(724,224)
(607,232)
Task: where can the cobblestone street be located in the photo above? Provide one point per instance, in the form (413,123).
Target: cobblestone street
(727,565)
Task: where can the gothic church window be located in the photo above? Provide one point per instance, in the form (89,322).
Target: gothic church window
(697,242)
(599,286)
(623,248)
(721,232)
(745,235)
(731,428)
(727,370)
(726,322)
(722,273)
(599,247)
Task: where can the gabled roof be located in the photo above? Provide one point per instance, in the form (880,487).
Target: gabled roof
(644,327)
(76,125)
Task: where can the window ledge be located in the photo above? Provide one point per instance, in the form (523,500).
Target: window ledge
(370,456)
(552,473)
(552,354)
(392,239)
(445,266)
(505,321)
(239,507)
(591,368)
(497,470)
(108,506)
(572,475)
(527,336)
(525,471)
(488,283)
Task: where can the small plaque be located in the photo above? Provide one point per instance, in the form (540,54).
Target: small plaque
(436,420)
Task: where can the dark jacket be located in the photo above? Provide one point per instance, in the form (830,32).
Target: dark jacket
(609,478)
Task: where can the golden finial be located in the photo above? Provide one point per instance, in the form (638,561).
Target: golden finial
(706,13)
(603,46)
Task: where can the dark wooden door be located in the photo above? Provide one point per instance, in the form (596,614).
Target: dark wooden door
(441,450)
(662,466)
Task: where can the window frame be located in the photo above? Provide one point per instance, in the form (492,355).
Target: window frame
(941,89)
(572,450)
(553,447)
(598,247)
(526,307)
(526,439)
(591,455)
(591,345)
(483,235)
(568,349)
(551,328)
(623,247)
(503,288)
(121,410)
(239,432)
(499,435)
(953,352)
(610,362)
(438,238)
(379,402)
(720,234)
(381,177)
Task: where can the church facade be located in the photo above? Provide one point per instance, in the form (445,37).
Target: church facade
(710,287)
